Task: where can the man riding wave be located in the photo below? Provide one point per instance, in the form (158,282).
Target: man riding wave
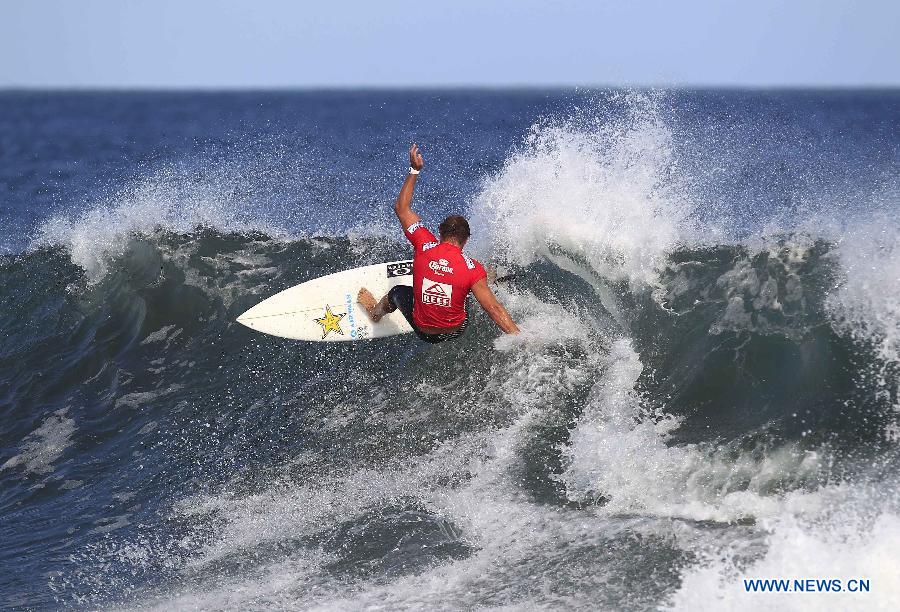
(443,275)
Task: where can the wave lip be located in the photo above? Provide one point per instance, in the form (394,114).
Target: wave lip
(172,200)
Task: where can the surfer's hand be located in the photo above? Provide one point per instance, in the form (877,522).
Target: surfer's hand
(415,158)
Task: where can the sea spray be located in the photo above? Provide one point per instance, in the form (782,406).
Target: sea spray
(602,188)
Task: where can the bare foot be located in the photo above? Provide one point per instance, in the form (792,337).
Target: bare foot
(365,299)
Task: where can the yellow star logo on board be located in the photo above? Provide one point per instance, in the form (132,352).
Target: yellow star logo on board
(331,322)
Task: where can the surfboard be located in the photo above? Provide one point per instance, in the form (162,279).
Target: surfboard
(325,309)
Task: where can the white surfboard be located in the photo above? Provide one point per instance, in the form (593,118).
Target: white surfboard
(325,309)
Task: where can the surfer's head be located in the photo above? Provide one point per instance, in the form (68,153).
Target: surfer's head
(456,228)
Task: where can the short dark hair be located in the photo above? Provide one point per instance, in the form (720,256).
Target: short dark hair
(454,226)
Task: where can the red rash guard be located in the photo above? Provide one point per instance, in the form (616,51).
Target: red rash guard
(442,278)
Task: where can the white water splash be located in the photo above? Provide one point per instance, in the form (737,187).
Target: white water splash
(867,304)
(605,191)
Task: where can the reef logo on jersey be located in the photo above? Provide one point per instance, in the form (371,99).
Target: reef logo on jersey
(436,294)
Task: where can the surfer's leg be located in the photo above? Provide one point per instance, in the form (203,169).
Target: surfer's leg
(375,310)
(401,297)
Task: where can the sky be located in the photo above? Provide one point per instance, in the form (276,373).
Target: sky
(388,43)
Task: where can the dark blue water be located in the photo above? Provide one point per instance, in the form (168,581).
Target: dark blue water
(706,387)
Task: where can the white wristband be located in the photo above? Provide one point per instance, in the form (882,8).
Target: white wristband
(413,170)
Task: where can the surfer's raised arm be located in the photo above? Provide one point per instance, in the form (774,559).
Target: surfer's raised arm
(402,206)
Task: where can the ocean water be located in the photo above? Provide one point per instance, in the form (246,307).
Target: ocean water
(705,388)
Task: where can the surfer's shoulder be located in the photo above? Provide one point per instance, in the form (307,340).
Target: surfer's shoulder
(471,262)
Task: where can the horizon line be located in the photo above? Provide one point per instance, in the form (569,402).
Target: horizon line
(445,87)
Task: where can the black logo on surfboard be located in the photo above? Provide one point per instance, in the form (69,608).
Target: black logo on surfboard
(400,268)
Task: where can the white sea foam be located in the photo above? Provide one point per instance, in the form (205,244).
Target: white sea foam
(469,481)
(859,539)
(515,541)
(844,531)
(619,451)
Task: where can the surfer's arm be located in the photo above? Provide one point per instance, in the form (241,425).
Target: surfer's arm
(493,307)
(404,201)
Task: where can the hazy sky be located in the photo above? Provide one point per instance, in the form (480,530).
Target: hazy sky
(282,43)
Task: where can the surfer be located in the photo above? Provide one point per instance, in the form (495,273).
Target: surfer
(443,275)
